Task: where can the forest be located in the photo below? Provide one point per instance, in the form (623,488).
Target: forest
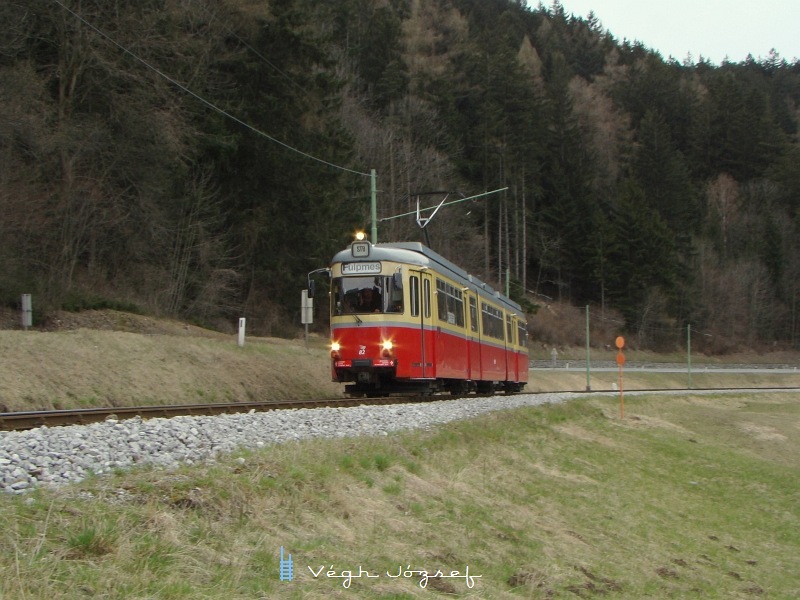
(198,158)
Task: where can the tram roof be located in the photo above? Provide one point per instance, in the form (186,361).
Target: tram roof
(419,254)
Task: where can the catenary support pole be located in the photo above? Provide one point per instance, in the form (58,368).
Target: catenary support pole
(689,353)
(374,205)
(588,357)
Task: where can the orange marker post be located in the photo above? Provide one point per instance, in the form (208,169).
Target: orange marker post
(620,342)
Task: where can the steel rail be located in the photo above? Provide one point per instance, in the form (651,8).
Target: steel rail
(24,420)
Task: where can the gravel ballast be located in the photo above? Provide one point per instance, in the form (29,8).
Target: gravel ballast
(61,455)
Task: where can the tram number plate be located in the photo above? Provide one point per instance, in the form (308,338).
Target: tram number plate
(360,249)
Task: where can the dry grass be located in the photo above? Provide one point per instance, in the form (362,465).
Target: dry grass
(153,362)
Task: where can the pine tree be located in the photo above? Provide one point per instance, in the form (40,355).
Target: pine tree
(662,174)
(641,255)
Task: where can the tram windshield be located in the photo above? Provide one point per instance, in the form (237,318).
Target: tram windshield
(380,294)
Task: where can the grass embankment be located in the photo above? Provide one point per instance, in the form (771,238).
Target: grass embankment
(99,368)
(687,497)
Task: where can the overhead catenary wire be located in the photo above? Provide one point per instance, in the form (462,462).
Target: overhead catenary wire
(200,98)
(443,204)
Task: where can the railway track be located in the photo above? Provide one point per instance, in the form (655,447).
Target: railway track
(24,420)
(20,421)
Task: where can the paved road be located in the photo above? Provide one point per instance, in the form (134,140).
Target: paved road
(649,367)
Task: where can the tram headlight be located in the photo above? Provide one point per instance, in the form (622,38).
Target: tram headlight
(386,347)
(335,347)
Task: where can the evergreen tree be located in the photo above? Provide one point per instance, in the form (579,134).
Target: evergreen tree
(641,255)
(115,179)
(661,172)
(569,209)
(743,138)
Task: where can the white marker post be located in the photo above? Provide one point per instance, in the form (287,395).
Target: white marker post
(27,311)
(241,331)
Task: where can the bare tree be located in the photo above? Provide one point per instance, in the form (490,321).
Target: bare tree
(723,201)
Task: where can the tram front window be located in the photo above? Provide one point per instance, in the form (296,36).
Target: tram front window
(361,295)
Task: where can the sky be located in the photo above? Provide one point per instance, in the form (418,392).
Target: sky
(713,29)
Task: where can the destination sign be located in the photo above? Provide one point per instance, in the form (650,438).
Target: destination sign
(361,268)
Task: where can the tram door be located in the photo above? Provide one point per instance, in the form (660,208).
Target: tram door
(473,337)
(422,299)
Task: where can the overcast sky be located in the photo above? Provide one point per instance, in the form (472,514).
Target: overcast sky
(715,29)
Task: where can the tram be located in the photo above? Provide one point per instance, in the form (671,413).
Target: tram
(406,320)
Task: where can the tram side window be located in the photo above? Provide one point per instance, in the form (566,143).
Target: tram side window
(522,333)
(492,321)
(395,294)
(414,293)
(473,313)
(441,300)
(450,302)
(509,330)
(426,291)
(455,306)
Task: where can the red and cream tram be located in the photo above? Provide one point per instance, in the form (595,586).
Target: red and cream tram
(406,320)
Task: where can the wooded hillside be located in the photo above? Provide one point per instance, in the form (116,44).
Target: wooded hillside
(197,158)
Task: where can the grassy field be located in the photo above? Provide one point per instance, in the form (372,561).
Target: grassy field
(545,380)
(688,496)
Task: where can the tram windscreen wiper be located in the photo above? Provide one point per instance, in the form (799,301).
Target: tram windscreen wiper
(358,319)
